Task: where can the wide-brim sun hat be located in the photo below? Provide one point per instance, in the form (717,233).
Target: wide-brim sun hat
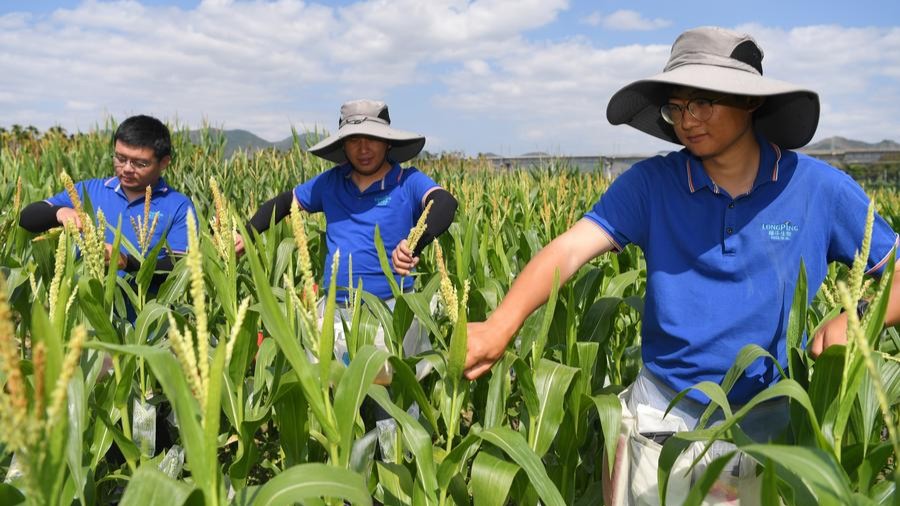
(369,118)
(720,60)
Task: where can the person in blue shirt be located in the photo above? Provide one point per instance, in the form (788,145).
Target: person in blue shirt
(142,151)
(367,187)
(723,224)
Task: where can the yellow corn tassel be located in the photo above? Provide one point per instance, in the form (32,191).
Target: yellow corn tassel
(308,293)
(60,390)
(416,232)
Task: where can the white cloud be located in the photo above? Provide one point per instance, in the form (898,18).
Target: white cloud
(626,20)
(264,66)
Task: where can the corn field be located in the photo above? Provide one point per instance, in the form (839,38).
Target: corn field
(225,389)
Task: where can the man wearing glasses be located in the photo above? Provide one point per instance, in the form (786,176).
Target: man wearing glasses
(723,224)
(143,149)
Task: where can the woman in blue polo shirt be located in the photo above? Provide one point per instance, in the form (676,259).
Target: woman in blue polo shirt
(723,224)
(367,187)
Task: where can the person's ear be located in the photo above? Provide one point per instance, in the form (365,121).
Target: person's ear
(754,103)
(164,162)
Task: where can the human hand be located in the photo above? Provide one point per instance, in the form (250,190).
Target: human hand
(65,214)
(238,244)
(403,259)
(832,332)
(122,259)
(485,345)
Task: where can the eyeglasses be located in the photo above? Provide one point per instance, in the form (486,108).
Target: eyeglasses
(121,161)
(700,108)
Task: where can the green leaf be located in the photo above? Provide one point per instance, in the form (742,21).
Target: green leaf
(491,479)
(417,441)
(385,265)
(814,467)
(498,392)
(396,483)
(151,486)
(404,382)
(597,321)
(277,324)
(148,266)
(456,356)
(552,381)
(90,298)
(312,481)
(292,419)
(797,317)
(152,313)
(10,495)
(76,426)
(609,409)
(540,341)
(514,445)
(352,390)
(187,412)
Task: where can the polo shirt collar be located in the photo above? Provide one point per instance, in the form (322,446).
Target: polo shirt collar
(160,188)
(769,159)
(390,180)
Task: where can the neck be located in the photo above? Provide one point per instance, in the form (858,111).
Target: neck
(735,167)
(364,181)
(133,195)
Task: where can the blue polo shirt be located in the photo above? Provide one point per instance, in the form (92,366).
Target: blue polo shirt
(394,203)
(721,271)
(107,194)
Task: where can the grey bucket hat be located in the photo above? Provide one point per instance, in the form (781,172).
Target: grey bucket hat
(370,118)
(724,61)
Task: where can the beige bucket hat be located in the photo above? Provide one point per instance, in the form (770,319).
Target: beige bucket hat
(724,61)
(370,118)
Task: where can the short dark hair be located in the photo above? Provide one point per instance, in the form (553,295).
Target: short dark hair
(145,132)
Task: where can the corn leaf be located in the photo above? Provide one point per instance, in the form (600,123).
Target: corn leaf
(151,486)
(312,481)
(491,479)
(514,445)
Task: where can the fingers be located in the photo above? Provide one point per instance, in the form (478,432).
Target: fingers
(403,260)
(238,244)
(815,348)
(830,333)
(477,370)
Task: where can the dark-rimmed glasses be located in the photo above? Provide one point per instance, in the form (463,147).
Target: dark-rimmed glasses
(700,108)
(137,163)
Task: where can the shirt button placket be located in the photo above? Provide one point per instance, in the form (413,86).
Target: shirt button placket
(729,230)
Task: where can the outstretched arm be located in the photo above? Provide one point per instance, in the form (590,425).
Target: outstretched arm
(568,252)
(279,206)
(834,331)
(41,216)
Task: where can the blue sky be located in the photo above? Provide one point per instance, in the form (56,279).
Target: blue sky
(502,76)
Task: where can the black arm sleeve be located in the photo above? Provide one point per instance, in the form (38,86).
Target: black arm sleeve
(280,206)
(164,264)
(39,217)
(443,209)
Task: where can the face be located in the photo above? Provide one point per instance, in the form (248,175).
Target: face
(136,167)
(367,155)
(729,122)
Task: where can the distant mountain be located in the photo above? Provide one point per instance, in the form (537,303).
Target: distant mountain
(842,144)
(248,141)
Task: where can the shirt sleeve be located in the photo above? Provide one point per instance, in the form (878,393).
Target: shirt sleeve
(309,193)
(177,235)
(622,209)
(419,184)
(62,198)
(848,220)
